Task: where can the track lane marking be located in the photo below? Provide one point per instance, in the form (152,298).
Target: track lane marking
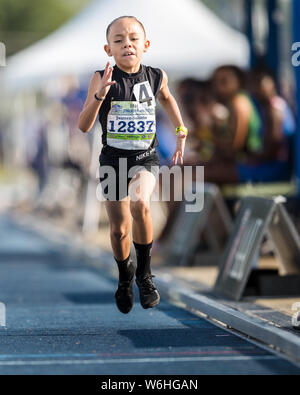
(137,360)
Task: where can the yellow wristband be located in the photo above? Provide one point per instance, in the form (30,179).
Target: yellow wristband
(182,129)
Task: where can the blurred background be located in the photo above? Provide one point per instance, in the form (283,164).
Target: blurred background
(229,65)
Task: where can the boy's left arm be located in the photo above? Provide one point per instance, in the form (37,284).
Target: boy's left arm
(171,108)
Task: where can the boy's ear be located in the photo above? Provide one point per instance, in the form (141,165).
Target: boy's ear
(147,45)
(107,50)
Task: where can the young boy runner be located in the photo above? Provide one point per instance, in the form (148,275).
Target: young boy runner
(124,98)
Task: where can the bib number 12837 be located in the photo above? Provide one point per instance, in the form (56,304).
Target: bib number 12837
(131,126)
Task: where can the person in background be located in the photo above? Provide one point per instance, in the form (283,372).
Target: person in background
(273,162)
(224,125)
(202,140)
(234,125)
(243,122)
(202,113)
(186,92)
(236,136)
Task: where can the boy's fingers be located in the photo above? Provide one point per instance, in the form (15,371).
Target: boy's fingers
(110,72)
(180,158)
(105,72)
(109,83)
(175,158)
(106,68)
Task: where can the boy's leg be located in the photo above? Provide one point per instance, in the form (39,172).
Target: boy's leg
(143,185)
(119,217)
(120,224)
(142,230)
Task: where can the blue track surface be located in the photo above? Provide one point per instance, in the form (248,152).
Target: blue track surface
(61,319)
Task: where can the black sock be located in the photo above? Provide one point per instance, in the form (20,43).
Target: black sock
(143,257)
(126,271)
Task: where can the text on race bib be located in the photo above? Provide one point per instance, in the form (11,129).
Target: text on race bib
(132,124)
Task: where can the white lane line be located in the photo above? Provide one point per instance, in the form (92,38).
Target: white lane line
(137,360)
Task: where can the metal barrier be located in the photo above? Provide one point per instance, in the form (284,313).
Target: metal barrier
(184,238)
(258,218)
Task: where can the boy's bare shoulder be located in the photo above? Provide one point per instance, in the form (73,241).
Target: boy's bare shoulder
(164,73)
(164,81)
(164,92)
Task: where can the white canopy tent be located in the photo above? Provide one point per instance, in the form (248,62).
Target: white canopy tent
(187,39)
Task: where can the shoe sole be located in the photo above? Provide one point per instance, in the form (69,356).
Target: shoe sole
(126,312)
(153,304)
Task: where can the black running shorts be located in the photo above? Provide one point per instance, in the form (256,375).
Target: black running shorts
(124,169)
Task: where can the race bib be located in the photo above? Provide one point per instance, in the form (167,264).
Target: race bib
(131,125)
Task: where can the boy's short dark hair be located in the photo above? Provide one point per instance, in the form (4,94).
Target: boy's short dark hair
(121,17)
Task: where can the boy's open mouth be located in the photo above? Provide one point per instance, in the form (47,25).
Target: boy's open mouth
(128,54)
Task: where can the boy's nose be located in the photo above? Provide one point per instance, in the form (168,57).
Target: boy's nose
(127,44)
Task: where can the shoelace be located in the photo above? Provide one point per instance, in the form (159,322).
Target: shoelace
(146,283)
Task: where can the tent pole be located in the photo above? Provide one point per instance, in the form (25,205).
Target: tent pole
(296,38)
(273,38)
(248,7)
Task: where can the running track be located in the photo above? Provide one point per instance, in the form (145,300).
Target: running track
(61,319)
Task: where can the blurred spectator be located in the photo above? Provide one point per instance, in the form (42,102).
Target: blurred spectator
(241,138)
(199,105)
(273,162)
(235,136)
(186,92)
(201,142)
(79,150)
(243,123)
(232,126)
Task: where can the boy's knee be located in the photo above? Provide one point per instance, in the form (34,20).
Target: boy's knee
(120,232)
(139,209)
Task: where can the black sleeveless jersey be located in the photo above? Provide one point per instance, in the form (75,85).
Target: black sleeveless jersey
(122,90)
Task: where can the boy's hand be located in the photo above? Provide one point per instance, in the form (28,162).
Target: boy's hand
(106,82)
(179,150)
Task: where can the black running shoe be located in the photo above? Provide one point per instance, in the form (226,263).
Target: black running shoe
(124,295)
(149,296)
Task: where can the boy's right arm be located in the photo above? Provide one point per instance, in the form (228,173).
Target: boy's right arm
(100,87)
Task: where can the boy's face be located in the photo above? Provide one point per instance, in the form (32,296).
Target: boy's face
(127,43)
